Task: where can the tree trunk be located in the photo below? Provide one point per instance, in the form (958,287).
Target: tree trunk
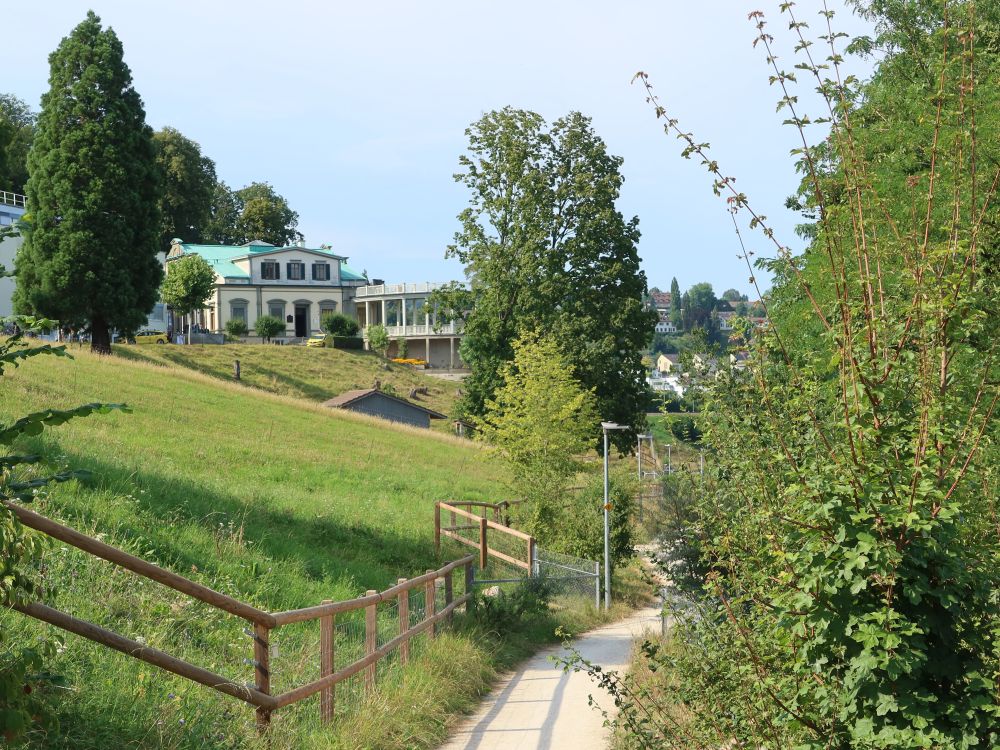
(100,337)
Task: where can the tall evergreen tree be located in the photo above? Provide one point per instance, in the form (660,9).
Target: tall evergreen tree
(93,193)
(675,303)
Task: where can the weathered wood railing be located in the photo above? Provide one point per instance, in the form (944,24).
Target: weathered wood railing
(483,526)
(263,623)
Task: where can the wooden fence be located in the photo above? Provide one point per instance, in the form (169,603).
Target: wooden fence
(263,623)
(482,526)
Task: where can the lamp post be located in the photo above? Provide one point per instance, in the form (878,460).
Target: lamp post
(670,469)
(638,457)
(606,426)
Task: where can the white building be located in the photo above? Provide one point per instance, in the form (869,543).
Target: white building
(404,311)
(12,207)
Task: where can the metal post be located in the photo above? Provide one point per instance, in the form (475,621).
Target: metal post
(607,531)
(669,466)
(638,457)
(597,585)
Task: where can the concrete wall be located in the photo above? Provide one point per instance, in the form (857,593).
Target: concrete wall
(378,405)
(8,248)
(259,297)
(439,355)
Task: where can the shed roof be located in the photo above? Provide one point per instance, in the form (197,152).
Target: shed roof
(348,398)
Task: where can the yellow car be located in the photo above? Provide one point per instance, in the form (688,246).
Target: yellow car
(151,337)
(316,341)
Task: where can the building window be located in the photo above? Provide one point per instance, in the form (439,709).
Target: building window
(238,310)
(416,315)
(321,271)
(296,270)
(393,313)
(327,307)
(270,270)
(276,310)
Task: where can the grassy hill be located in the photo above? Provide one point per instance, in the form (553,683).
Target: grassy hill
(304,372)
(274,500)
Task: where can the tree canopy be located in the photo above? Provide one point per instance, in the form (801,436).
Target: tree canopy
(93,194)
(255,212)
(188,187)
(17,128)
(546,249)
(190,281)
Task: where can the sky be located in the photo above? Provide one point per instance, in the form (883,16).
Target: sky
(356,112)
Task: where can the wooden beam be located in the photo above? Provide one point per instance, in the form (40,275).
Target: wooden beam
(327,659)
(403,611)
(371,641)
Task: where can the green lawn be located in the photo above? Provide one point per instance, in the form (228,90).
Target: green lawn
(270,499)
(315,374)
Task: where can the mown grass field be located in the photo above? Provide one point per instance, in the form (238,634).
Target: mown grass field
(273,500)
(315,374)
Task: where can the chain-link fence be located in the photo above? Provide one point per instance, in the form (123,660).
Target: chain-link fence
(510,556)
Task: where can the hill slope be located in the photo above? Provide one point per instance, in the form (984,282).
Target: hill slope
(304,372)
(268,498)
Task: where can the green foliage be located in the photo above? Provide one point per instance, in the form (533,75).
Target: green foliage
(255,212)
(17,128)
(93,194)
(237,328)
(338,324)
(578,525)
(268,326)
(846,547)
(22,667)
(508,608)
(402,349)
(546,249)
(540,421)
(378,339)
(189,283)
(188,187)
(684,428)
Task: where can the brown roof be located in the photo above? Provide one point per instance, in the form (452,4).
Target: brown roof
(661,298)
(349,397)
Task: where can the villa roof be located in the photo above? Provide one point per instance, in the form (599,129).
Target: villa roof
(222,257)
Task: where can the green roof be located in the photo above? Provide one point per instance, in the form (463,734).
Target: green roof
(349,274)
(221,257)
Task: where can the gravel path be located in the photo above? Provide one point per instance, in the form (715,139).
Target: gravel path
(540,706)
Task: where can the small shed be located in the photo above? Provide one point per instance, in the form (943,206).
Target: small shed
(376,403)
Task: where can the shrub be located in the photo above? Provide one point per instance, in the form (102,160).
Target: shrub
(237,328)
(684,428)
(268,326)
(348,342)
(338,324)
(504,611)
(402,348)
(378,339)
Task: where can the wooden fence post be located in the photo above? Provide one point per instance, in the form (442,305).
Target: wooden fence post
(449,592)
(326,664)
(532,558)
(483,549)
(403,608)
(262,671)
(470,578)
(437,529)
(236,369)
(371,639)
(430,603)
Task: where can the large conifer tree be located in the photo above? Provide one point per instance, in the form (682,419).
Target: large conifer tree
(93,190)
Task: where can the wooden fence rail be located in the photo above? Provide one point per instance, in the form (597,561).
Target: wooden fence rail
(483,525)
(263,623)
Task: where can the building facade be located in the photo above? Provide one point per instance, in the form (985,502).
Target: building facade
(296,284)
(408,316)
(12,207)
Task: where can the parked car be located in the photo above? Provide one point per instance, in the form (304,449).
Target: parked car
(317,341)
(151,337)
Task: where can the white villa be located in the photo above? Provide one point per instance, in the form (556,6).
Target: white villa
(297,284)
(404,311)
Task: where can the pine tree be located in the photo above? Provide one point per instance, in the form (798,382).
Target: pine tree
(93,191)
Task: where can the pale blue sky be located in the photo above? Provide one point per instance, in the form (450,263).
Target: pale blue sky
(356,112)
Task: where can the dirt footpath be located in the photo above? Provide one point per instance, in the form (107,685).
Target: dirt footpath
(540,706)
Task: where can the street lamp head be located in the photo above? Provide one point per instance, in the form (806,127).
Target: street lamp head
(613,426)
(644,436)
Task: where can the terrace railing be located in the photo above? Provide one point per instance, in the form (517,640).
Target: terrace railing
(259,694)
(13,199)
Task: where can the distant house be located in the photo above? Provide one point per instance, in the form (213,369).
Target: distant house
(665,326)
(376,403)
(661,300)
(726,321)
(668,363)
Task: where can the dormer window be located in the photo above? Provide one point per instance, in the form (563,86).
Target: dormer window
(296,270)
(270,270)
(321,271)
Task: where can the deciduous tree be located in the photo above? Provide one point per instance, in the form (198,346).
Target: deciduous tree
(188,187)
(546,249)
(93,194)
(189,283)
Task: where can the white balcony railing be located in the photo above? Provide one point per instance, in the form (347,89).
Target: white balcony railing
(445,329)
(13,199)
(386,290)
